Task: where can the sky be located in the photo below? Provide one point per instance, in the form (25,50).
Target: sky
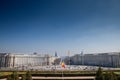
(46,26)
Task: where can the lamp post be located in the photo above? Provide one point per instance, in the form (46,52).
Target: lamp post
(69,59)
(82,59)
(69,56)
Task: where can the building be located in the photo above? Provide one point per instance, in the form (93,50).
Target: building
(19,60)
(52,59)
(99,59)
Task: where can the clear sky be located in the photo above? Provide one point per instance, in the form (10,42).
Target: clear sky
(46,26)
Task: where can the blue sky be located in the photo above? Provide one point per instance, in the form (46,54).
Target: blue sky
(46,26)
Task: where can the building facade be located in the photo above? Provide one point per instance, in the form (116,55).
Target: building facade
(19,60)
(98,59)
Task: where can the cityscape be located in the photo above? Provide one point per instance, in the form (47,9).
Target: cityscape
(60,40)
(78,62)
(10,60)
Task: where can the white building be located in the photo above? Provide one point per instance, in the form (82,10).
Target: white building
(100,59)
(52,60)
(19,60)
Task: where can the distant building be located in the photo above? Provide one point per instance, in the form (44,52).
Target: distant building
(53,58)
(100,59)
(19,60)
(56,54)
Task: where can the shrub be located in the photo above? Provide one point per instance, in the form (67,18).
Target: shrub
(9,77)
(110,76)
(28,76)
(23,77)
(15,76)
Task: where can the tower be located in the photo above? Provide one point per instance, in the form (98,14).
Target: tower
(56,54)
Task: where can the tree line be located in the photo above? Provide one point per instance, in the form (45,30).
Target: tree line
(108,75)
(15,76)
(100,75)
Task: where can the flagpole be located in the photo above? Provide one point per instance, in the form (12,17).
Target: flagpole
(62,74)
(63,66)
(69,59)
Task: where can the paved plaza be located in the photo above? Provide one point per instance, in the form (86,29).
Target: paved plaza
(58,67)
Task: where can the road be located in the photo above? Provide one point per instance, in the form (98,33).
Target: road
(79,77)
(53,78)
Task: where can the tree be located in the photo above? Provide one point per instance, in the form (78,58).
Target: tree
(118,77)
(107,76)
(23,77)
(99,74)
(28,76)
(15,76)
(110,76)
(9,77)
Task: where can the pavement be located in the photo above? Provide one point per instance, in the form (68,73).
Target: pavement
(53,78)
(79,77)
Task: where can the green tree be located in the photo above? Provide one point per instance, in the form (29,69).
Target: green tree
(99,74)
(15,76)
(28,76)
(107,76)
(110,76)
(118,77)
(9,77)
(23,77)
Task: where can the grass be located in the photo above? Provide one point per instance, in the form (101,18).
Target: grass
(9,73)
(5,73)
(118,73)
